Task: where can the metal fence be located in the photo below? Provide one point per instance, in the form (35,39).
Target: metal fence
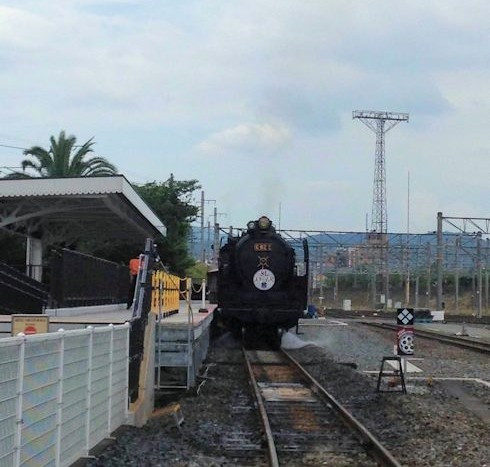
(61,393)
(442,269)
(77,279)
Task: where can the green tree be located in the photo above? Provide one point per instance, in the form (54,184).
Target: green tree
(171,202)
(197,271)
(64,159)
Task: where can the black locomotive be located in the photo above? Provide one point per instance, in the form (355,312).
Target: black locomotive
(259,291)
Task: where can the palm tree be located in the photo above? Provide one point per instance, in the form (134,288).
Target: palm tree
(62,161)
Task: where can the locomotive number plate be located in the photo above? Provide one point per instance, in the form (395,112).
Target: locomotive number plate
(262,247)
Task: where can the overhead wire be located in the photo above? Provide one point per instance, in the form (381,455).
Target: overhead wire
(11,147)
(25,149)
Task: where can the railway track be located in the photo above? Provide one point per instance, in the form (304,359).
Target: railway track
(465,343)
(303,424)
(367,314)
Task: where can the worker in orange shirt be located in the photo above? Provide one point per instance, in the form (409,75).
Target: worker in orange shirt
(134,266)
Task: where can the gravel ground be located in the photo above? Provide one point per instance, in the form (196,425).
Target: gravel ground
(366,346)
(424,428)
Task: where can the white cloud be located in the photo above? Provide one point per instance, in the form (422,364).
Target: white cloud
(247,138)
(328,187)
(169,81)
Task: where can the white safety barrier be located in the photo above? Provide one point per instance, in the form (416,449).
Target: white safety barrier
(61,393)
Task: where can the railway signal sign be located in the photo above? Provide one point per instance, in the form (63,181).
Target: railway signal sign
(405,332)
(405,317)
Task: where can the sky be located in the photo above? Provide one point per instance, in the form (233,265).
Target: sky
(254,99)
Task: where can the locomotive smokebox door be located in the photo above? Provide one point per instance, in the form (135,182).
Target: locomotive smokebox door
(405,333)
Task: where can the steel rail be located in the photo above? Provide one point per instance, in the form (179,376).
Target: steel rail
(369,442)
(271,447)
(481,347)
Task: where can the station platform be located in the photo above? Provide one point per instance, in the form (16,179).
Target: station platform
(102,315)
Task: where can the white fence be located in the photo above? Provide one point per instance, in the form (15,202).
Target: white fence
(61,393)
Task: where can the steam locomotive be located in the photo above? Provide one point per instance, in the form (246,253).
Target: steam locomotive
(259,290)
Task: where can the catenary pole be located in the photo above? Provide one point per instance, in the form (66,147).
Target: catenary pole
(203,255)
(439,260)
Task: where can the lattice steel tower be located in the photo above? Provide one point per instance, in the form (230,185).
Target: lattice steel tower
(380,123)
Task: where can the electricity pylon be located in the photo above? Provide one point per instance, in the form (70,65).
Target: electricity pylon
(380,123)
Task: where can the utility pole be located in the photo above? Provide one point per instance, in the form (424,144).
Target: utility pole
(373,285)
(216,243)
(440,248)
(473,286)
(203,255)
(479,275)
(429,274)
(486,275)
(203,247)
(380,123)
(407,253)
(208,242)
(456,273)
(216,236)
(417,277)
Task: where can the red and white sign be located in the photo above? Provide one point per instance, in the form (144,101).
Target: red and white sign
(405,340)
(30,324)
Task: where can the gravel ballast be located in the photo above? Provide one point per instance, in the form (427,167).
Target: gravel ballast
(426,427)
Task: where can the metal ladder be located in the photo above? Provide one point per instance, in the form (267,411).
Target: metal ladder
(189,346)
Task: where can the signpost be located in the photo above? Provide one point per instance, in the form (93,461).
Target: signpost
(405,335)
(30,324)
(405,319)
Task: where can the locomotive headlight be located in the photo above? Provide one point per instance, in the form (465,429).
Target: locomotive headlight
(251,225)
(264,223)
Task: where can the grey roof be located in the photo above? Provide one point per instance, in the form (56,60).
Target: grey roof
(103,208)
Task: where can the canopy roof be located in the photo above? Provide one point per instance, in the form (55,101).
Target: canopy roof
(70,209)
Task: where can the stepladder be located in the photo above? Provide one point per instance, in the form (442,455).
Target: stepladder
(394,374)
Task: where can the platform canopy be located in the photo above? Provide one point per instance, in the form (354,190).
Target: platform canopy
(70,209)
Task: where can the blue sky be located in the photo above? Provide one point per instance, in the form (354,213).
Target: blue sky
(255,99)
